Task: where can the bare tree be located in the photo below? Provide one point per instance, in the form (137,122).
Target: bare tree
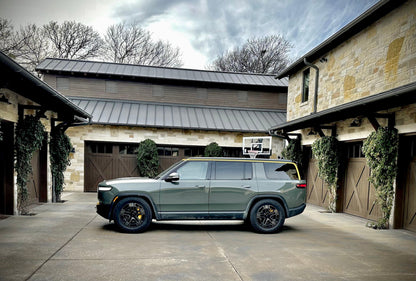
(9,43)
(129,43)
(73,40)
(35,47)
(267,54)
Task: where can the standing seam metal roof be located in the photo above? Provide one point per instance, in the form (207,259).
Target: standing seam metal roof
(144,114)
(135,71)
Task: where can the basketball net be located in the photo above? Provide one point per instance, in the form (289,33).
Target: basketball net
(252,153)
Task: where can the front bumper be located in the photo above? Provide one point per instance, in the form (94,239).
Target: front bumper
(103,210)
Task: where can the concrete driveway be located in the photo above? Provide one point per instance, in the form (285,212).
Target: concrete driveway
(69,241)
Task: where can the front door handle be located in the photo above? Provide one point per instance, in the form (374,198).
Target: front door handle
(200,186)
(246,186)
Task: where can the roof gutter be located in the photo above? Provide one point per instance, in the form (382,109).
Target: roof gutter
(315,100)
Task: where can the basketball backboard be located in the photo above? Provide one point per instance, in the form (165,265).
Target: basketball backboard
(254,146)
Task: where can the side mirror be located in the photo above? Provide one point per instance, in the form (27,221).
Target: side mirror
(172,177)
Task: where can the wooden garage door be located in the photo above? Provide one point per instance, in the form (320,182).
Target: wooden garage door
(359,194)
(107,161)
(317,190)
(410,206)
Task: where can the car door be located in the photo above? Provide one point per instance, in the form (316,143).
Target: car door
(231,187)
(188,196)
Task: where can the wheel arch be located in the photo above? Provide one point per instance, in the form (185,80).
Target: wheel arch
(145,197)
(256,199)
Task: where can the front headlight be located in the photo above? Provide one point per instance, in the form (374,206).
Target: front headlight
(104,188)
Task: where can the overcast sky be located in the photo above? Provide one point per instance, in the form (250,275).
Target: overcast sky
(202,29)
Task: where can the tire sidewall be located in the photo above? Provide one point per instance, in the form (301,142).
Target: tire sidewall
(146,221)
(253,216)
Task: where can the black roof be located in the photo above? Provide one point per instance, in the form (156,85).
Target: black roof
(176,76)
(377,11)
(164,115)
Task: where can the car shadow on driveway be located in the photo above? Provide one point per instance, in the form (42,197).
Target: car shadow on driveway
(218,226)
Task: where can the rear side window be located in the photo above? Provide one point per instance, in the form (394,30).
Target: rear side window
(280,171)
(233,171)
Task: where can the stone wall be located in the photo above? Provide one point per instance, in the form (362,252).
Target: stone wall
(379,58)
(74,175)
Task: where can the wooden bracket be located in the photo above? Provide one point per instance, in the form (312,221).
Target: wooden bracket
(390,116)
(333,129)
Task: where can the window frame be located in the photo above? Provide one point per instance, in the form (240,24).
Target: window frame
(306,78)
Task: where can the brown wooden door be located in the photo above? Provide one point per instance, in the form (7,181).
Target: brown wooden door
(359,194)
(105,161)
(410,206)
(6,167)
(37,182)
(317,190)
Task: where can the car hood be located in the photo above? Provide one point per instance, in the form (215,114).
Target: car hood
(129,180)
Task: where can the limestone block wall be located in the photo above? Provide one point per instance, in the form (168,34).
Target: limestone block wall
(379,58)
(74,175)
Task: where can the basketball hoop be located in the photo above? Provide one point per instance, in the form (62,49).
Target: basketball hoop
(252,153)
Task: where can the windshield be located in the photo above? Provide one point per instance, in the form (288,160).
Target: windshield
(167,171)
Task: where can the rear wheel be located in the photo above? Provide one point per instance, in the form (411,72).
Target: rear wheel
(267,216)
(132,215)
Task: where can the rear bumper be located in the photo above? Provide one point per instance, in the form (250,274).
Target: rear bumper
(103,210)
(296,211)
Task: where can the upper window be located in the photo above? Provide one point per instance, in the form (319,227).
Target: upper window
(305,89)
(233,171)
(281,171)
(193,171)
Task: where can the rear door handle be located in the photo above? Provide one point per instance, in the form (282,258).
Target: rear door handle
(246,186)
(200,186)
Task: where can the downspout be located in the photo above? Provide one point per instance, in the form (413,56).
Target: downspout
(315,100)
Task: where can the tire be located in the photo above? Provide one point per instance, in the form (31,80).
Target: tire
(132,215)
(267,216)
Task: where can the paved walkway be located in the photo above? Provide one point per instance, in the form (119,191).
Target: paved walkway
(69,241)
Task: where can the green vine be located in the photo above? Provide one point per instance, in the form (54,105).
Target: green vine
(213,150)
(293,151)
(29,136)
(60,147)
(326,151)
(148,159)
(380,150)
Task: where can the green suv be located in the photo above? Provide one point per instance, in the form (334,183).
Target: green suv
(261,192)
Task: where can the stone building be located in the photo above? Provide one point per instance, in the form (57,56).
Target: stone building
(362,77)
(181,110)
(23,94)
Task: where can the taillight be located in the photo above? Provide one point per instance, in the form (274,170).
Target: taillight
(301,185)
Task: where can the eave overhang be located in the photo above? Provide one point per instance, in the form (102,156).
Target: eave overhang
(367,106)
(19,80)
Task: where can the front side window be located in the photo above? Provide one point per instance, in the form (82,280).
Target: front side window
(233,171)
(281,171)
(305,90)
(193,171)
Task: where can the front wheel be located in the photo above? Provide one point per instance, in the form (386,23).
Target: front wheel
(132,215)
(267,216)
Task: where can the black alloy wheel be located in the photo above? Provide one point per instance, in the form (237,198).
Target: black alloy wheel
(132,215)
(267,216)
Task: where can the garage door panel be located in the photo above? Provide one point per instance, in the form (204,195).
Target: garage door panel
(359,194)
(410,206)
(317,190)
(98,167)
